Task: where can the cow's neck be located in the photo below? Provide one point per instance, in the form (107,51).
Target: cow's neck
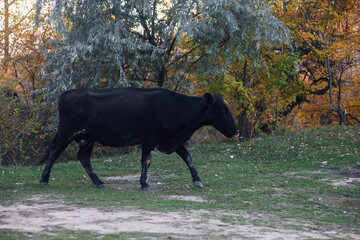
(194,117)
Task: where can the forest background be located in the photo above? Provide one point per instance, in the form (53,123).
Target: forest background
(281,65)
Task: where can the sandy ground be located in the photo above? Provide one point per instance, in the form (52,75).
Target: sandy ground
(184,225)
(187,225)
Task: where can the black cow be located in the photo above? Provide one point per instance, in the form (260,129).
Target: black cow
(153,118)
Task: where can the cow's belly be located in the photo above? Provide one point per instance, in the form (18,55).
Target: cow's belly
(116,137)
(119,143)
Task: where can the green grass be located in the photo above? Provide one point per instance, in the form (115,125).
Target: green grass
(283,178)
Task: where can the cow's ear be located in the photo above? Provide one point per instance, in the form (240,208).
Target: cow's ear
(209,99)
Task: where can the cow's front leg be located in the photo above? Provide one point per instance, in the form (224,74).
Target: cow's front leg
(185,155)
(145,164)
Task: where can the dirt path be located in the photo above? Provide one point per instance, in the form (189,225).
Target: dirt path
(184,225)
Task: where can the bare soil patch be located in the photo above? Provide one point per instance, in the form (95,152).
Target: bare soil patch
(186,198)
(132,181)
(40,218)
(351,174)
(350,182)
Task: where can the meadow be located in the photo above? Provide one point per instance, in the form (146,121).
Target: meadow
(297,185)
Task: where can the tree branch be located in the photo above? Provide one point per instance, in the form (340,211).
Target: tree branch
(287,110)
(320,91)
(354,118)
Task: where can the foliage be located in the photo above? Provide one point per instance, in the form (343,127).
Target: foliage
(119,43)
(22,131)
(327,38)
(258,96)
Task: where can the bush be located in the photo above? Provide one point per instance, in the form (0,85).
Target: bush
(22,133)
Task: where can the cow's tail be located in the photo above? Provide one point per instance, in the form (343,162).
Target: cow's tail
(47,153)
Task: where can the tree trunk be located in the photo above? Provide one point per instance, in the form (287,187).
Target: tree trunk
(342,114)
(0,153)
(244,126)
(338,109)
(161,77)
(6,35)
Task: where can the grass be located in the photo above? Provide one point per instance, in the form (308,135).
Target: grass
(282,179)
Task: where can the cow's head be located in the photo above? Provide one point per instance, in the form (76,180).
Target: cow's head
(219,116)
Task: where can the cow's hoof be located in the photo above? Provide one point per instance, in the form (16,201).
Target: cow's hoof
(44,184)
(147,188)
(198,184)
(101,186)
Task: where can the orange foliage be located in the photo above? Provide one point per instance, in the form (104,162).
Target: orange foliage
(327,37)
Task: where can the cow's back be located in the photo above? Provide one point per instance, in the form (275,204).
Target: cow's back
(117,116)
(80,101)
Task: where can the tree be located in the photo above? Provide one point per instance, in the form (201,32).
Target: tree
(327,37)
(20,46)
(22,116)
(14,16)
(257,96)
(137,42)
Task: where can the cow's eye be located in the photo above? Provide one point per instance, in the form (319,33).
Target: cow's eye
(224,110)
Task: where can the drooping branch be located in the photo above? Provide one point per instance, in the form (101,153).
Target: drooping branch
(298,100)
(352,117)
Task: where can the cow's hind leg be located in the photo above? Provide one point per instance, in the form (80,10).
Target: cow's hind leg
(185,155)
(57,146)
(83,156)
